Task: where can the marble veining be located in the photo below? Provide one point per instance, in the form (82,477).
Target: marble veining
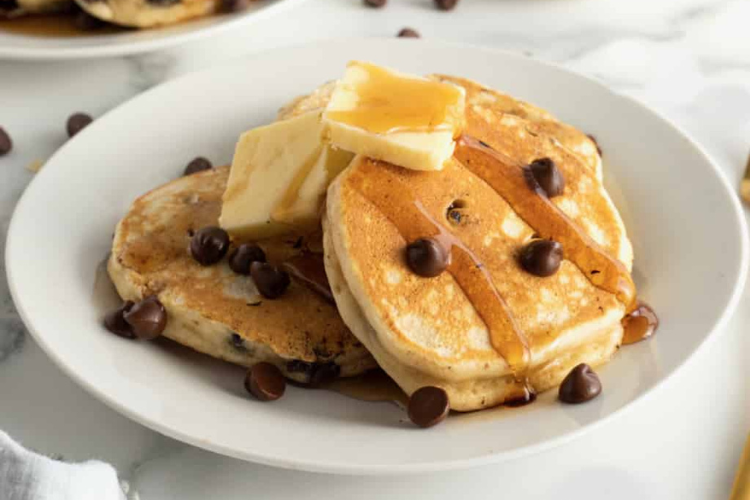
(689,59)
(12,337)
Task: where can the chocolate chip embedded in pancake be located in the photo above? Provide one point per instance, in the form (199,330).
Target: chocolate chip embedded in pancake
(213,309)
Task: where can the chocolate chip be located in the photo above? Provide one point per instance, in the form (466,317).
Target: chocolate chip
(265,381)
(148,318)
(6,144)
(299,366)
(596,143)
(446,4)
(408,33)
(547,176)
(230,6)
(198,164)
(237,342)
(270,280)
(455,214)
(244,255)
(428,406)
(209,245)
(324,372)
(376,3)
(86,22)
(115,321)
(77,122)
(580,385)
(426,257)
(163,3)
(542,257)
(7,7)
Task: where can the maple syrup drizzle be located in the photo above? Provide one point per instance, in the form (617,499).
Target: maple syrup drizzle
(388,102)
(387,192)
(508,179)
(640,324)
(527,397)
(57,25)
(309,270)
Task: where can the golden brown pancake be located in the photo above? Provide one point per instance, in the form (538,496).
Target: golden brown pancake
(434,331)
(212,309)
(481,100)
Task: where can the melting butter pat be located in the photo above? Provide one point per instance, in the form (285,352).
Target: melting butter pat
(278,179)
(405,120)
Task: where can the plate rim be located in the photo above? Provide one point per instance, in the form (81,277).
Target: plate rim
(144,46)
(714,333)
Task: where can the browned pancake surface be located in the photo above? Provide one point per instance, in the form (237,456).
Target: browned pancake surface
(152,244)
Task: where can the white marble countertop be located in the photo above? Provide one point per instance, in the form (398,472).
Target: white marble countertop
(690,59)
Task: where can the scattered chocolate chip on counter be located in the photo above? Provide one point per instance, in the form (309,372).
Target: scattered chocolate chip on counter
(375,3)
(209,245)
(198,164)
(541,257)
(408,33)
(265,381)
(580,385)
(446,4)
(243,256)
(271,281)
(426,257)
(115,321)
(547,176)
(428,406)
(77,122)
(6,143)
(147,318)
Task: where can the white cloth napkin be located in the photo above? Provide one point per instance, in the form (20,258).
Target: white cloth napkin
(25,475)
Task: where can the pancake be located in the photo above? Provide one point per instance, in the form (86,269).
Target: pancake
(148,13)
(483,349)
(212,309)
(18,8)
(317,99)
(486,102)
(525,133)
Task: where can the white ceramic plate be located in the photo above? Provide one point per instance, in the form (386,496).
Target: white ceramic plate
(685,222)
(25,47)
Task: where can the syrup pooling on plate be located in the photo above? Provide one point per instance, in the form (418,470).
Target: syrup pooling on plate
(373,386)
(394,199)
(413,104)
(507,178)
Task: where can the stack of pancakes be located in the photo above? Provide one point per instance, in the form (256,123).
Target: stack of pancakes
(421,331)
(130,13)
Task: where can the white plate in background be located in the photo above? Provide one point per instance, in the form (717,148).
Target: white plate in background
(687,228)
(29,47)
